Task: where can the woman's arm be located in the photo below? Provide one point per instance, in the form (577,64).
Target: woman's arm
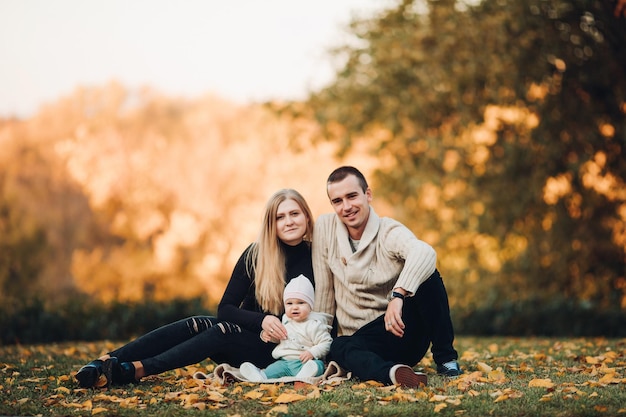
(238,304)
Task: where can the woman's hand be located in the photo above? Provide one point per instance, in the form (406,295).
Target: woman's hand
(273,329)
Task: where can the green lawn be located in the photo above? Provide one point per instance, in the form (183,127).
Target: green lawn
(503,377)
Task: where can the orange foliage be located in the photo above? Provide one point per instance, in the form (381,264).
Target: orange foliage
(166,194)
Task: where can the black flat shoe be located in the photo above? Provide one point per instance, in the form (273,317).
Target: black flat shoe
(89,374)
(118,373)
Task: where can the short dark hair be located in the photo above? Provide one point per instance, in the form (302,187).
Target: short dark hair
(342,172)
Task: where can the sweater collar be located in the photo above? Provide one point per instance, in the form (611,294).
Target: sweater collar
(289,249)
(370,232)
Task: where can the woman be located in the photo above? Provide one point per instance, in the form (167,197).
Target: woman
(247,316)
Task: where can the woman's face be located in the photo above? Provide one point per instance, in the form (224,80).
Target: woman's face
(291,222)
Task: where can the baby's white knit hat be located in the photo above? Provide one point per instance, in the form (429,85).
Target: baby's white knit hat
(300,287)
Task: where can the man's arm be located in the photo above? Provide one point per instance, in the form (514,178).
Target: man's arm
(420,259)
(324,288)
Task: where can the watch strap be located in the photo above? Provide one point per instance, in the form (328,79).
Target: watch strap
(396,294)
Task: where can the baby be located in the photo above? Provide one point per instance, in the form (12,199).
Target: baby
(302,353)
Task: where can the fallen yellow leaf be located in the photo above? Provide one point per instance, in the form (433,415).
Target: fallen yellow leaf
(282,409)
(546,398)
(469,356)
(483,367)
(437,397)
(541,383)
(289,398)
(315,393)
(254,395)
(454,401)
(609,379)
(496,376)
(501,398)
(199,405)
(215,396)
(88,405)
(440,407)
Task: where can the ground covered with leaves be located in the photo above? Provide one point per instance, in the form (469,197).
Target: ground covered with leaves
(503,377)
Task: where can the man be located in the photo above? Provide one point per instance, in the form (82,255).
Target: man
(381,284)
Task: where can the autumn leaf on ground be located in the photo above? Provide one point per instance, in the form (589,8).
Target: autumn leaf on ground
(506,394)
(496,376)
(440,407)
(289,398)
(483,367)
(279,409)
(541,383)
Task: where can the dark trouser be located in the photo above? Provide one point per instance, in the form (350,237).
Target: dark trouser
(371,351)
(192,340)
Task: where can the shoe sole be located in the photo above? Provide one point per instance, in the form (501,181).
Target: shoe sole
(107,371)
(450,375)
(87,376)
(406,377)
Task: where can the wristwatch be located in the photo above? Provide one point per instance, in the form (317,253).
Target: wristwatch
(396,294)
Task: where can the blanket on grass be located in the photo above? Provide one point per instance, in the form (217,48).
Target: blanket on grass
(226,374)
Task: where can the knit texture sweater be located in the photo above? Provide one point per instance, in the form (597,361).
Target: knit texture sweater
(312,334)
(355,287)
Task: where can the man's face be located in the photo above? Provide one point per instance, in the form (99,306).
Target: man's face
(351,204)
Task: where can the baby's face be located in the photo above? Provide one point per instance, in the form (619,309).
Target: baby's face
(297,309)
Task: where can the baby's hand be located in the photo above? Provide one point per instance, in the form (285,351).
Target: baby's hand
(306,356)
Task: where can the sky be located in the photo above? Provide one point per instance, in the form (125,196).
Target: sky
(241,50)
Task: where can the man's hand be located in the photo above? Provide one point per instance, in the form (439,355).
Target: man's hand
(393,317)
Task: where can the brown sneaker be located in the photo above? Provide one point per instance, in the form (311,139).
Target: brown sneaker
(405,376)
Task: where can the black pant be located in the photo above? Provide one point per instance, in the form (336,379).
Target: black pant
(192,340)
(371,351)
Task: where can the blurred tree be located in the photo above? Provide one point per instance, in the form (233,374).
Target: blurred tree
(135,195)
(44,217)
(500,130)
(22,243)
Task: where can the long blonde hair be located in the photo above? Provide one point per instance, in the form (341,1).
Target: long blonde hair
(266,257)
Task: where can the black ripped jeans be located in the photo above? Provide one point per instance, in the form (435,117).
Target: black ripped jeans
(371,351)
(192,340)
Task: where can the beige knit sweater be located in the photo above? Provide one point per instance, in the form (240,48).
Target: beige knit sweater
(355,287)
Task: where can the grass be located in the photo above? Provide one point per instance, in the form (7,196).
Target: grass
(503,377)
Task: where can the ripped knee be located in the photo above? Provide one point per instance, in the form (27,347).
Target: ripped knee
(227,327)
(198,324)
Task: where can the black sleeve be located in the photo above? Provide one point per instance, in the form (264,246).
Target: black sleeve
(238,304)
